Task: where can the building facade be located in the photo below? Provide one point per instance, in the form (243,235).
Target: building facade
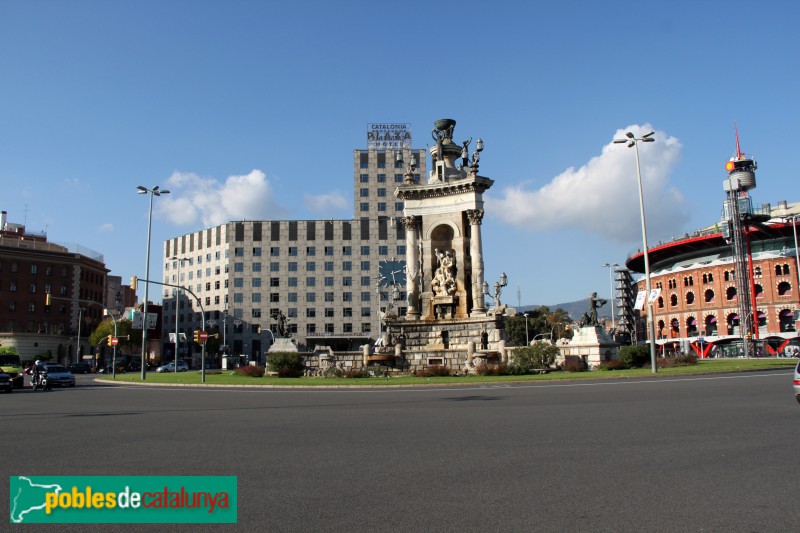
(697,306)
(321,274)
(30,269)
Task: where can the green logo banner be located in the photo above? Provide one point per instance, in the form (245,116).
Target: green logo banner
(123,499)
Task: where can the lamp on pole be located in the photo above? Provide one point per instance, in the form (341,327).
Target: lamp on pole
(527,341)
(155,191)
(610,267)
(633,141)
(177,302)
(78,347)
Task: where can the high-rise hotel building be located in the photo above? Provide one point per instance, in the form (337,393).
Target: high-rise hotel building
(321,274)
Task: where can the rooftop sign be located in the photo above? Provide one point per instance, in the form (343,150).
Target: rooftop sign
(389,136)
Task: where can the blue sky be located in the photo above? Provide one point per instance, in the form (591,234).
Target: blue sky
(250,110)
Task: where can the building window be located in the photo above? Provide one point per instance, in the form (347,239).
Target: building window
(689,298)
(363,207)
(238,282)
(291,282)
(311,312)
(382,193)
(730,293)
(328,296)
(784,288)
(708,296)
(274,282)
(293,250)
(292,297)
(363,192)
(311,297)
(347,265)
(237,252)
(329,281)
(365,250)
(256,251)
(383,250)
(274,251)
(364,265)
(311,281)
(275,266)
(347,296)
(347,312)
(238,267)
(255,297)
(673,300)
(398,178)
(311,251)
(328,266)
(759,290)
(366,327)
(292,266)
(381,206)
(329,312)
(365,296)
(347,281)
(757,272)
(363,178)
(311,266)
(365,281)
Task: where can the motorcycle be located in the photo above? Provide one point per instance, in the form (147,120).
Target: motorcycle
(40,381)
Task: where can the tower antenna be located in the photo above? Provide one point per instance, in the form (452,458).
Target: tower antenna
(739,154)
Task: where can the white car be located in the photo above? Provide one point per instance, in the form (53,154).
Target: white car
(797,381)
(170,367)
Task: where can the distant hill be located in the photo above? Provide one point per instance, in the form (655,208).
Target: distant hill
(574,309)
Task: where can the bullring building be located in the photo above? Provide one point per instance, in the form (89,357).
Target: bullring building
(321,274)
(730,289)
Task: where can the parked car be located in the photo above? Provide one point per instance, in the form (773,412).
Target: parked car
(109,370)
(80,368)
(170,367)
(5,382)
(59,376)
(797,381)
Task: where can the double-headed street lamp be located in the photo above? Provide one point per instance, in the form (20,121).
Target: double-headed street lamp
(155,191)
(611,267)
(633,141)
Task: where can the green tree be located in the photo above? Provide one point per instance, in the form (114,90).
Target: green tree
(8,350)
(538,355)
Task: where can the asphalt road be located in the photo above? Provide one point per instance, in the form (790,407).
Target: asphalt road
(714,453)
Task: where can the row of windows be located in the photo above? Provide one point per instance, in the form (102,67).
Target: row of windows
(784,289)
(785,318)
(33,288)
(382,206)
(728,275)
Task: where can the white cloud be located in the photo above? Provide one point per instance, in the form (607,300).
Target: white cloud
(602,196)
(194,198)
(108,227)
(327,203)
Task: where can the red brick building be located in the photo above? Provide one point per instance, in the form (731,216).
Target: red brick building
(698,290)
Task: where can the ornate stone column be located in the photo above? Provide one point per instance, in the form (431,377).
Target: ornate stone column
(475,217)
(412,267)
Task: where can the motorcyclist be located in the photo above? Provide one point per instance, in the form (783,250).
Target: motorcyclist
(38,370)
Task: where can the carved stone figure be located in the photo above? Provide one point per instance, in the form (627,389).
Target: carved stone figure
(444,283)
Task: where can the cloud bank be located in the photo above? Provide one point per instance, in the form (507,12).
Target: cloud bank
(194,199)
(602,196)
(327,203)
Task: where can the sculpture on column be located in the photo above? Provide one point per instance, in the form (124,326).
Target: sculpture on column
(590,318)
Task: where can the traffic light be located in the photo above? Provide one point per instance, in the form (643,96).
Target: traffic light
(134,282)
(47,300)
(196,336)
(749,335)
(109,339)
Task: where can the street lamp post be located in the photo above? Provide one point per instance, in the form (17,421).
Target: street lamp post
(155,191)
(611,267)
(527,341)
(177,302)
(78,347)
(633,141)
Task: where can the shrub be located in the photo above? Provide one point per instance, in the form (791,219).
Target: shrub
(574,366)
(356,373)
(614,364)
(537,356)
(635,356)
(286,364)
(433,371)
(251,371)
(491,370)
(333,372)
(681,360)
